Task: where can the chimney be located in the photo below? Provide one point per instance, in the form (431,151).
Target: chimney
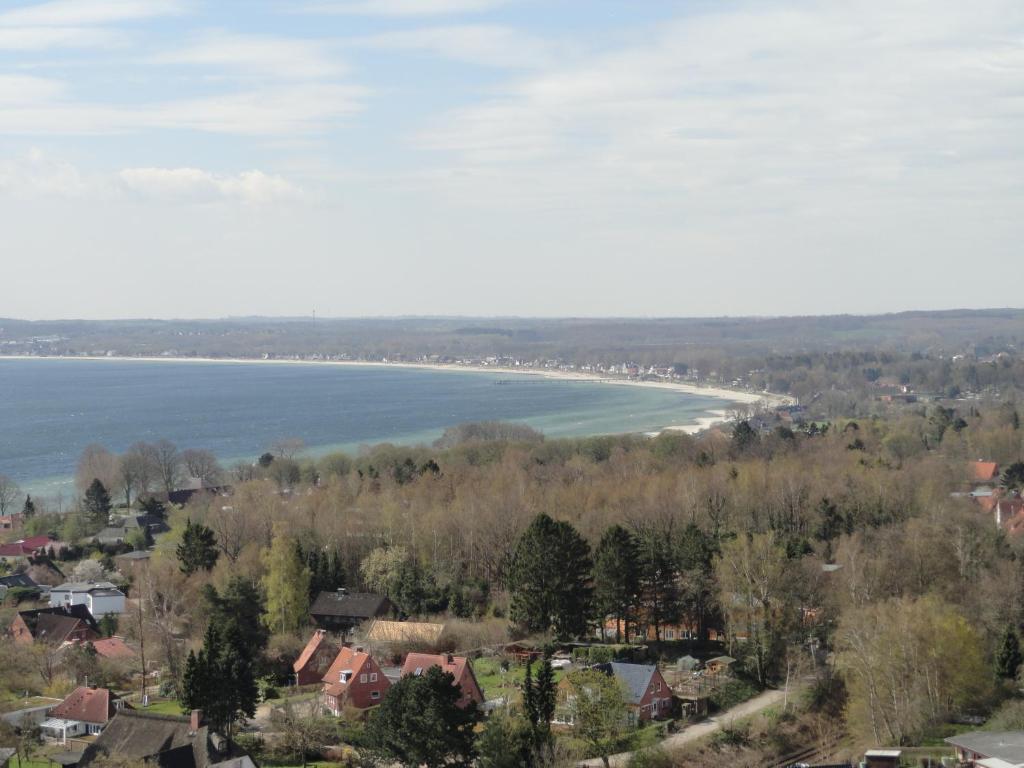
(196,720)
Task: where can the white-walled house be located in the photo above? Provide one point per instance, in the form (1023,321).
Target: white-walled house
(100,598)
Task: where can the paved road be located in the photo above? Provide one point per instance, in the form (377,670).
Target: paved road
(705,727)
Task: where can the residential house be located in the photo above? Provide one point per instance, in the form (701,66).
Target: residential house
(1009,514)
(406,634)
(22,549)
(16,581)
(122,528)
(648,696)
(354,680)
(99,598)
(646,693)
(342,611)
(315,659)
(983,472)
(11,522)
(54,626)
(165,741)
(113,648)
(989,749)
(645,632)
(85,712)
(133,562)
(459,668)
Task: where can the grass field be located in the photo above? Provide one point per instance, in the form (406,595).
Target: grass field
(162,707)
(498,684)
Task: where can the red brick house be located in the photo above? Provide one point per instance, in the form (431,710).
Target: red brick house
(458,666)
(647,695)
(353,680)
(315,659)
(644,632)
(54,626)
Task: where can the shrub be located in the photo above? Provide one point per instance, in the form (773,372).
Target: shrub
(651,757)
(731,693)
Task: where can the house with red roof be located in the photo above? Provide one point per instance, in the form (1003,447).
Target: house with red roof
(458,666)
(86,711)
(22,549)
(982,472)
(354,680)
(113,648)
(315,659)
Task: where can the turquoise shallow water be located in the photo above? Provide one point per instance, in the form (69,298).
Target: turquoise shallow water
(50,409)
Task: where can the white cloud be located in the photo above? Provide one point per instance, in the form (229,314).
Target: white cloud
(36,106)
(63,13)
(404,7)
(39,37)
(23,90)
(484,44)
(262,56)
(38,175)
(797,105)
(193,184)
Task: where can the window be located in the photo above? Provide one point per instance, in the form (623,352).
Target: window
(418,672)
(670,634)
(374,694)
(373,677)
(362,678)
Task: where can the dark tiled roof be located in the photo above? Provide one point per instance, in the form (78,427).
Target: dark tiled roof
(54,624)
(360,605)
(17,580)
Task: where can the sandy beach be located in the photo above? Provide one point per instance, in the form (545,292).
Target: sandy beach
(718,416)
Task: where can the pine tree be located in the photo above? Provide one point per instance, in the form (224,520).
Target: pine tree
(96,504)
(198,548)
(530,697)
(617,577)
(286,583)
(1009,657)
(546,695)
(29,509)
(220,680)
(550,580)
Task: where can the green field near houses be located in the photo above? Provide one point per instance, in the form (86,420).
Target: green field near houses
(496,683)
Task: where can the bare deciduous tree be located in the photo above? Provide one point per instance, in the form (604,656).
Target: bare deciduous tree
(96,463)
(202,465)
(167,463)
(9,493)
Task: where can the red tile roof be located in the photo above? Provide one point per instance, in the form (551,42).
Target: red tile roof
(113,648)
(984,471)
(346,660)
(87,705)
(312,647)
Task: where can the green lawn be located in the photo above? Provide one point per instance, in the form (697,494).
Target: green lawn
(497,684)
(17,763)
(162,707)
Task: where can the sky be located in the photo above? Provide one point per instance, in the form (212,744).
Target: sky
(212,158)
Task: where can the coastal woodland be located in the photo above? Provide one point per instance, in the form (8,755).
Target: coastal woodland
(841,559)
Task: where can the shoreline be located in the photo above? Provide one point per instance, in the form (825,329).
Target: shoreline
(715,417)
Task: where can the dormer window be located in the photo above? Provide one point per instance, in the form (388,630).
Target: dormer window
(345,676)
(418,672)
